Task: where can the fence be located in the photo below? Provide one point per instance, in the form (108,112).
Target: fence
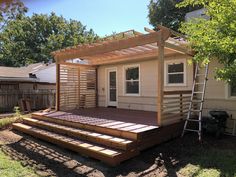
(175,105)
(39,99)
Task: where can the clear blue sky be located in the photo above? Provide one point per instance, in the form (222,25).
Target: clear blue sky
(103,16)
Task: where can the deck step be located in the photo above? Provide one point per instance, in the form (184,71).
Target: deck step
(107,155)
(119,129)
(103,139)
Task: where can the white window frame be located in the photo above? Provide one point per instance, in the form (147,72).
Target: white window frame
(228,93)
(124,80)
(176,61)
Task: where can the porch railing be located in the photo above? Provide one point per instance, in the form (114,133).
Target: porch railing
(175,105)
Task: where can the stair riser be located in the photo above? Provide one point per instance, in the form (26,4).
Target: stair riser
(94,128)
(111,161)
(82,136)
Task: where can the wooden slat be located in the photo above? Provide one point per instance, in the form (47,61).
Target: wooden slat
(177,92)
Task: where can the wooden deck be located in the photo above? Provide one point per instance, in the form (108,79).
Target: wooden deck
(108,134)
(109,114)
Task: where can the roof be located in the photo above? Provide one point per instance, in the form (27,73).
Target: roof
(128,45)
(22,73)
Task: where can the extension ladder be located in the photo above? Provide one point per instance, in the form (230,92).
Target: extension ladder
(197,100)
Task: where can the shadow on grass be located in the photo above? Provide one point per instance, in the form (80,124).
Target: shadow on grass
(185,156)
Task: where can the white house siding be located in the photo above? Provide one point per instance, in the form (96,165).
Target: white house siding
(47,74)
(200,13)
(217,96)
(148,82)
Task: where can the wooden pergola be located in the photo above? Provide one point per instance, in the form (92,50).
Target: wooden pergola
(131,46)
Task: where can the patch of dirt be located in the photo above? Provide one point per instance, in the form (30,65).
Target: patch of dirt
(50,160)
(7,137)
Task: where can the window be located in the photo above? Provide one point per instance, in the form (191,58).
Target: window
(232,91)
(132,80)
(91,80)
(175,72)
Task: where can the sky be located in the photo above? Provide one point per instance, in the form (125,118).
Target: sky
(103,16)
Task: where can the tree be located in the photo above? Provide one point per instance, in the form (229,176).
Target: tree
(214,38)
(164,12)
(31,39)
(11,10)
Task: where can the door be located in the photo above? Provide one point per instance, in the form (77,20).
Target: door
(112,88)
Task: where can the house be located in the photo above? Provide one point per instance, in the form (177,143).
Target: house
(199,13)
(29,77)
(26,82)
(128,94)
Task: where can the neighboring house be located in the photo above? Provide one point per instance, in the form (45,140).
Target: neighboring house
(25,82)
(34,76)
(200,13)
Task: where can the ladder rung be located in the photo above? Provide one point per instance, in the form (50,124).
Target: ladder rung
(200,74)
(191,130)
(197,101)
(195,110)
(193,120)
(199,83)
(198,92)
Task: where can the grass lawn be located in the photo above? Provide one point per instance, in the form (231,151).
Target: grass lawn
(213,158)
(4,122)
(8,167)
(11,168)
(7,121)
(210,163)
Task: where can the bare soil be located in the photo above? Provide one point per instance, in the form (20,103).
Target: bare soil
(162,160)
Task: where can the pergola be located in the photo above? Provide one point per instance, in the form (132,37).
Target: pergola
(130,46)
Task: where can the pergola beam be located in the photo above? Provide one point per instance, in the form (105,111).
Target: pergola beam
(112,45)
(178,49)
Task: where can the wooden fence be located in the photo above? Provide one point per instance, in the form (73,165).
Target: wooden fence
(39,99)
(175,105)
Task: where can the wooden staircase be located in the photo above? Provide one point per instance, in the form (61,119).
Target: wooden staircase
(109,141)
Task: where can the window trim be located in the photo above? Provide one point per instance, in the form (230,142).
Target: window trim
(124,80)
(228,93)
(176,61)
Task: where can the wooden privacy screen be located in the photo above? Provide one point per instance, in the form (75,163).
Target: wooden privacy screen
(77,87)
(175,106)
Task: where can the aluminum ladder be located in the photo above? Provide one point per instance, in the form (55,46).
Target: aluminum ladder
(197,100)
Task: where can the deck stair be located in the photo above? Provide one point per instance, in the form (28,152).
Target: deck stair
(109,141)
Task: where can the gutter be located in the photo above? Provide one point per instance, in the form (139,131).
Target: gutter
(19,79)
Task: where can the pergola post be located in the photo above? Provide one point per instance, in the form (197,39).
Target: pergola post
(160,78)
(57,86)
